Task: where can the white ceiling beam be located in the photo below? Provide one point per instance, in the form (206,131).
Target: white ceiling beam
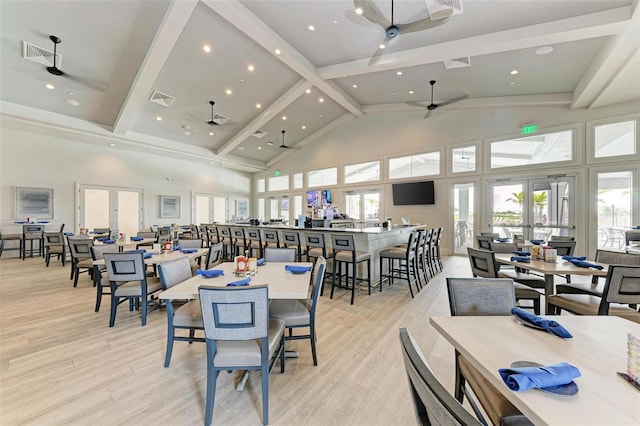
(243,19)
(338,122)
(172,25)
(610,60)
(280,104)
(561,31)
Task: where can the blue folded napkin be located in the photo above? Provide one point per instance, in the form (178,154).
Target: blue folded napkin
(137,238)
(177,247)
(189,250)
(102,239)
(583,264)
(137,251)
(521,253)
(147,255)
(523,259)
(209,273)
(43,222)
(297,268)
(20,221)
(240,283)
(520,379)
(537,242)
(550,325)
(107,241)
(68,234)
(574,257)
(261,261)
(502,240)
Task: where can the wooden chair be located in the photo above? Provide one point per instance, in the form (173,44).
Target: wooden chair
(215,256)
(345,253)
(274,254)
(81,260)
(54,245)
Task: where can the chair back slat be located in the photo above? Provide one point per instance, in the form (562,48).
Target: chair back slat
(622,286)
(123,267)
(482,263)
(343,242)
(214,255)
(80,247)
(314,239)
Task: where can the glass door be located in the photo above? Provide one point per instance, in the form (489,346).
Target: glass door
(104,207)
(363,207)
(209,208)
(533,208)
(615,207)
(463,217)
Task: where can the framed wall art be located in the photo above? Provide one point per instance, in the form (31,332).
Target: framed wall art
(34,202)
(170,206)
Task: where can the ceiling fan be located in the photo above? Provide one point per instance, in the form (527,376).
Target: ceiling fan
(216,119)
(433,105)
(283,145)
(53,69)
(392,30)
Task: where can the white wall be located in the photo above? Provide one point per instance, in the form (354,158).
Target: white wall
(37,160)
(390,134)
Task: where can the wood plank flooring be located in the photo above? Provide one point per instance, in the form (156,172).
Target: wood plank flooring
(60,363)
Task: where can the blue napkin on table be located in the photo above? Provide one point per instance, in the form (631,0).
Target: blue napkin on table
(137,238)
(45,222)
(102,239)
(240,283)
(106,241)
(68,234)
(189,250)
(177,247)
(502,240)
(261,261)
(574,258)
(297,268)
(137,251)
(523,378)
(521,253)
(524,259)
(147,255)
(20,221)
(550,325)
(537,242)
(209,273)
(583,264)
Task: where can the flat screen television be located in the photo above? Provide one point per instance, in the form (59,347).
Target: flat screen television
(413,193)
(319,198)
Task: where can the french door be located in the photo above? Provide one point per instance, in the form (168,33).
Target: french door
(363,206)
(109,207)
(533,208)
(209,208)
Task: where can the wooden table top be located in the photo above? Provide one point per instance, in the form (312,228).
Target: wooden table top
(164,257)
(598,349)
(552,268)
(282,284)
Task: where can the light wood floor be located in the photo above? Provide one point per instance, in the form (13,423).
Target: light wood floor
(60,363)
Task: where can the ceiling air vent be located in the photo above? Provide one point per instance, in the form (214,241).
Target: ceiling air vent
(259,134)
(40,55)
(436,6)
(162,99)
(457,63)
(219,119)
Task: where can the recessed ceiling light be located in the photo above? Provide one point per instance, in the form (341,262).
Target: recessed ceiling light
(186,126)
(70,93)
(304,127)
(544,50)
(512,83)
(206,48)
(259,147)
(394,93)
(284,117)
(359,11)
(158,118)
(335,21)
(311,28)
(72,102)
(514,72)
(49,86)
(355,86)
(411,92)
(242,80)
(399,73)
(321,100)
(321,115)
(228,91)
(251,67)
(382,46)
(307,91)
(258,106)
(211,133)
(241,148)
(277,51)
(112,144)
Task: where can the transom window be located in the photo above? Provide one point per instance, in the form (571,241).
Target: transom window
(260,185)
(363,172)
(322,177)
(297,181)
(538,149)
(279,183)
(615,139)
(426,164)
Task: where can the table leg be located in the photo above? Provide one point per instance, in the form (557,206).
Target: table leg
(548,290)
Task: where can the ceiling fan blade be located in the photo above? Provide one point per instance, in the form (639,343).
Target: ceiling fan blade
(450,101)
(415,104)
(100,86)
(421,25)
(372,13)
(428,113)
(378,53)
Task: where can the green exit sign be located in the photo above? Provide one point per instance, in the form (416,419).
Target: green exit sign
(277,173)
(528,129)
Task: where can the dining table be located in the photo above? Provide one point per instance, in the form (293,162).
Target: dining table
(157,259)
(550,269)
(598,349)
(127,243)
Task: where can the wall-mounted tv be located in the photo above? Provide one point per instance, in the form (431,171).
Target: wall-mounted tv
(319,198)
(412,193)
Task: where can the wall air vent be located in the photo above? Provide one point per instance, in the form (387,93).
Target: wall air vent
(40,55)
(457,63)
(259,134)
(162,99)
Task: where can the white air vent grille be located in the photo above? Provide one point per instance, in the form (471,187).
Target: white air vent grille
(220,119)
(457,63)
(436,6)
(162,99)
(259,134)
(40,55)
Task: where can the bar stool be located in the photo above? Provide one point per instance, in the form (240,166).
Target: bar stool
(32,233)
(271,238)
(344,248)
(10,237)
(292,239)
(407,263)
(239,240)
(254,241)
(437,257)
(316,247)
(227,242)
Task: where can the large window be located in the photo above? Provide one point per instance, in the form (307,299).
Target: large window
(323,177)
(260,185)
(463,159)
(363,172)
(426,164)
(538,149)
(279,183)
(615,139)
(297,181)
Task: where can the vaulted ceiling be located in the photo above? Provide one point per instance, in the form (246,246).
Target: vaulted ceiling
(267,71)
